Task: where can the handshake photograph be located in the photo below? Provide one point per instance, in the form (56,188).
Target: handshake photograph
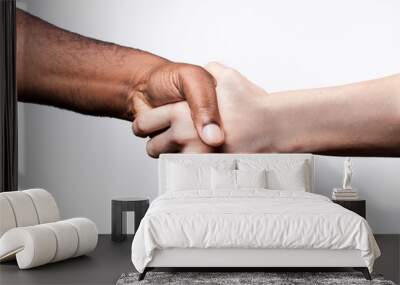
(200,142)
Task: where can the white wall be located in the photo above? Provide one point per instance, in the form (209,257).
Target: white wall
(84,161)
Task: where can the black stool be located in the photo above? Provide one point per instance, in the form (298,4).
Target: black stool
(119,207)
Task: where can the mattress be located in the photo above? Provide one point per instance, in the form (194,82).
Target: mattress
(250,218)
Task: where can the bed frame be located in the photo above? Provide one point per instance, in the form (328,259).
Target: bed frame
(234,259)
(249,259)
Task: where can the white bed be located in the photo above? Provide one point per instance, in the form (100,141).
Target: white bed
(192,224)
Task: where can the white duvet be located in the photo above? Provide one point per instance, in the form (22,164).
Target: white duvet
(250,219)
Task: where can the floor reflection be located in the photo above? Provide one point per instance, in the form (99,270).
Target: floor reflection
(389,262)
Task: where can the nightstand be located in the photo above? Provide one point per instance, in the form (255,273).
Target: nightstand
(119,207)
(357,206)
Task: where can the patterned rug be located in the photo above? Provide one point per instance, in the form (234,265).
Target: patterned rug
(244,278)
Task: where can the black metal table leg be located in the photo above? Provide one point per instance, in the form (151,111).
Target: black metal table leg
(117,223)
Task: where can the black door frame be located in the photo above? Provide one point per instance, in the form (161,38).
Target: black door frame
(8,98)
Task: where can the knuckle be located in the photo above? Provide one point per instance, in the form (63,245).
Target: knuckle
(150,150)
(230,73)
(222,73)
(215,69)
(193,70)
(190,67)
(138,127)
(213,65)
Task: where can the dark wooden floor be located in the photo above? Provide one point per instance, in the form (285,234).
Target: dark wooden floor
(110,260)
(103,266)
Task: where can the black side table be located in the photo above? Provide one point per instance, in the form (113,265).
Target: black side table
(357,206)
(119,207)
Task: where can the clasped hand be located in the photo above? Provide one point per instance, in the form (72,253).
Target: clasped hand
(242,106)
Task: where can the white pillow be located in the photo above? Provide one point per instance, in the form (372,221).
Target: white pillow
(188,177)
(281,174)
(227,179)
(193,174)
(293,179)
(251,178)
(223,179)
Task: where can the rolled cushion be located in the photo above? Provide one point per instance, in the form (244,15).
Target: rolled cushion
(33,246)
(37,245)
(23,208)
(87,233)
(46,206)
(67,239)
(7,218)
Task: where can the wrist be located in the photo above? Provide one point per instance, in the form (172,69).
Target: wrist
(318,120)
(295,125)
(138,67)
(266,133)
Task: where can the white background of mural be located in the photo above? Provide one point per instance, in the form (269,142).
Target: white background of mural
(280,45)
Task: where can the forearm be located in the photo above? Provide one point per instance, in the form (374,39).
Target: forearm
(356,119)
(64,69)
